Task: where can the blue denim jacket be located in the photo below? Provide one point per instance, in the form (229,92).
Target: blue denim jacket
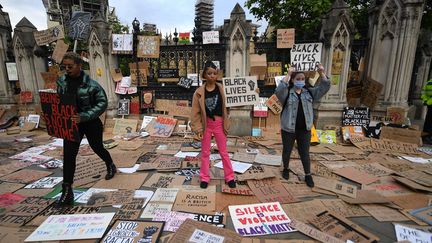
(289,113)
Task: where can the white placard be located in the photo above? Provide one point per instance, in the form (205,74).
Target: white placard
(12,72)
(260,219)
(146,121)
(238,167)
(122,42)
(199,236)
(306,56)
(34,119)
(46,182)
(72,227)
(412,235)
(211,37)
(240,91)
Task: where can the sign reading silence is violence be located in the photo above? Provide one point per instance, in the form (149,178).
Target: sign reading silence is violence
(57,112)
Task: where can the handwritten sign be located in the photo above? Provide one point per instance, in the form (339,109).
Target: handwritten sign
(50,79)
(122,43)
(159,180)
(210,37)
(72,227)
(123,107)
(134,231)
(240,91)
(305,57)
(47,36)
(260,109)
(123,126)
(162,127)
(148,46)
(23,211)
(79,25)
(168,163)
(285,38)
(274,104)
(195,202)
(356,116)
(46,182)
(53,210)
(60,49)
(260,219)
(57,112)
(271,190)
(172,219)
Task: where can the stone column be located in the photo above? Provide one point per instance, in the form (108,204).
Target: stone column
(337,35)
(394,27)
(6,92)
(100,58)
(29,66)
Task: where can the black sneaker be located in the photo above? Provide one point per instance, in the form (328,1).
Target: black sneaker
(285,174)
(309,181)
(203,184)
(232,184)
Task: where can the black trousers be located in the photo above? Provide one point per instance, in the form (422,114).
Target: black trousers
(303,138)
(93,130)
(428,121)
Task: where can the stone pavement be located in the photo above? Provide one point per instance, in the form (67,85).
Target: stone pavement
(355,182)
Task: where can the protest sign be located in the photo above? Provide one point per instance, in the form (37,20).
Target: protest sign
(47,36)
(26,97)
(168,75)
(305,57)
(46,182)
(240,91)
(172,219)
(22,212)
(165,195)
(408,234)
(168,163)
(130,210)
(238,190)
(336,186)
(161,127)
(147,99)
(353,174)
(343,208)
(256,172)
(9,199)
(154,207)
(314,233)
(11,70)
(9,234)
(123,126)
(190,162)
(60,49)
(274,104)
(238,167)
(123,181)
(258,65)
(174,107)
(424,214)
(25,176)
(53,210)
(57,112)
(185,82)
(79,25)
(260,219)
(271,190)
(10,187)
(134,231)
(193,231)
(260,109)
(102,199)
(164,181)
(371,92)
(123,107)
(148,46)
(274,69)
(285,38)
(210,37)
(116,74)
(267,159)
(195,202)
(88,169)
(72,227)
(87,194)
(122,43)
(50,80)
(383,214)
(217,219)
(356,116)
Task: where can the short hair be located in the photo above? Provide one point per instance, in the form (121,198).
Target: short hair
(207,65)
(73,56)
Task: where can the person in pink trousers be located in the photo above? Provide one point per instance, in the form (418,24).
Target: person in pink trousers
(210,118)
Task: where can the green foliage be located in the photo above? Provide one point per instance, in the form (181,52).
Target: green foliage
(117,27)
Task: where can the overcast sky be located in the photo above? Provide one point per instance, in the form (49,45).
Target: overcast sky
(166,14)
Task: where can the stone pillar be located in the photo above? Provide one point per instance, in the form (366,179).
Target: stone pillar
(337,35)
(6,92)
(422,72)
(394,27)
(29,66)
(100,58)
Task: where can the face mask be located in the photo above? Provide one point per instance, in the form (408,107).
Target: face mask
(299,84)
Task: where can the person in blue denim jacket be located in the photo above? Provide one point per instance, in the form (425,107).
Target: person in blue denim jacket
(297,115)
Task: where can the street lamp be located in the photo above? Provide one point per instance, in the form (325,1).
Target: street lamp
(136,30)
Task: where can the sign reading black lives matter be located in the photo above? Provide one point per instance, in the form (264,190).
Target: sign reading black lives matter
(79,25)
(305,57)
(57,112)
(240,91)
(356,116)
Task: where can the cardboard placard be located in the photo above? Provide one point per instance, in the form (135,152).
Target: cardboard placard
(161,127)
(304,211)
(10,187)
(148,46)
(131,210)
(89,169)
(261,109)
(271,190)
(336,186)
(365,197)
(260,219)
(398,114)
(123,126)
(195,202)
(60,50)
(168,163)
(423,214)
(103,199)
(258,65)
(342,228)
(26,97)
(50,80)
(419,177)
(256,172)
(300,190)
(239,190)
(25,176)
(285,38)
(240,91)
(376,169)
(274,69)
(9,199)
(411,201)
(123,181)
(393,146)
(404,135)
(122,43)
(123,107)
(57,112)
(210,37)
(134,231)
(371,93)
(174,107)
(47,36)
(387,186)
(412,184)
(356,116)
(314,233)
(305,57)
(46,182)
(80,226)
(266,159)
(342,208)
(9,234)
(116,74)
(172,219)
(22,212)
(383,213)
(191,162)
(53,210)
(356,175)
(193,231)
(158,180)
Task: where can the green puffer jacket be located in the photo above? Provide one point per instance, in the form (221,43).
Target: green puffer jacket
(427,93)
(91,97)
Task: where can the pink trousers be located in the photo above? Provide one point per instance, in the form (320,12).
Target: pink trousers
(215,128)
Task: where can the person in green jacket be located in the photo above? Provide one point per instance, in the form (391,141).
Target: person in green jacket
(427,99)
(91,102)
